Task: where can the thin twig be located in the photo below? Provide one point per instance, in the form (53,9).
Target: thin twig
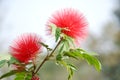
(48,56)
(34,67)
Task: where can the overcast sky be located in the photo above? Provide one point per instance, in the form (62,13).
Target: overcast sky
(21,16)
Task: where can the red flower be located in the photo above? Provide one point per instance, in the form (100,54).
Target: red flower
(72,21)
(35,78)
(26,47)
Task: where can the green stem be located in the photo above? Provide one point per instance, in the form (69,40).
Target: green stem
(48,56)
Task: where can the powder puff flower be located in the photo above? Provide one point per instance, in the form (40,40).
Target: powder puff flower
(72,23)
(26,47)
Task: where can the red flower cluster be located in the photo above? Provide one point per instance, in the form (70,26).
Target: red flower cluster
(26,47)
(71,21)
(35,78)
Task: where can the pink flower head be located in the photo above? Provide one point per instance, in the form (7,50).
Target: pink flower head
(72,23)
(26,47)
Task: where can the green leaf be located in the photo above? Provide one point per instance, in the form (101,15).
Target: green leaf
(53,28)
(70,41)
(67,45)
(12,72)
(61,48)
(57,34)
(23,76)
(12,61)
(69,54)
(74,53)
(55,31)
(59,57)
(64,46)
(67,42)
(70,68)
(2,63)
(92,61)
(70,74)
(82,54)
(62,63)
